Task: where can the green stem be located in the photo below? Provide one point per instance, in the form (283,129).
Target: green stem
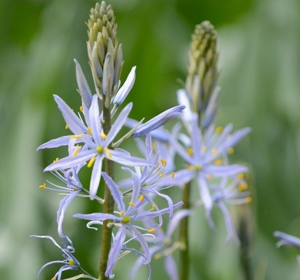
(108,206)
(184,235)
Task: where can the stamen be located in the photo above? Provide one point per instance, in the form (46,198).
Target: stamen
(203,149)
(208,176)
(43,187)
(242,187)
(131,203)
(172,175)
(214,152)
(198,167)
(76,151)
(190,167)
(103,135)
(240,176)
(151,230)
(248,199)
(71,262)
(56,160)
(163,162)
(219,129)
(230,151)
(107,152)
(218,161)
(141,198)
(89,130)
(66,127)
(121,213)
(91,162)
(153,207)
(190,151)
(76,136)
(161,173)
(81,109)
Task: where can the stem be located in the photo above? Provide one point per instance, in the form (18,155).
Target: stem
(108,206)
(184,235)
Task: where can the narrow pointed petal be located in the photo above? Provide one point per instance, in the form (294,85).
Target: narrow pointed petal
(95,120)
(128,160)
(83,86)
(204,193)
(173,224)
(126,88)
(196,138)
(71,119)
(96,176)
(54,143)
(225,170)
(184,100)
(70,161)
(287,239)
(236,137)
(95,217)
(171,267)
(115,250)
(115,192)
(158,121)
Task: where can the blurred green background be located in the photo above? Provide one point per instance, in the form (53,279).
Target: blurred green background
(259,43)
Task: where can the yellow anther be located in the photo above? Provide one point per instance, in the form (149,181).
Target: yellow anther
(163,162)
(103,135)
(191,167)
(157,256)
(151,230)
(198,167)
(214,152)
(208,176)
(108,152)
(131,203)
(76,151)
(66,127)
(89,130)
(218,161)
(153,207)
(77,136)
(43,186)
(144,185)
(161,173)
(99,149)
(248,199)
(81,109)
(91,162)
(190,151)
(56,159)
(53,278)
(121,213)
(203,149)
(141,198)
(240,176)
(71,262)
(230,151)
(242,187)
(126,219)
(219,129)
(172,175)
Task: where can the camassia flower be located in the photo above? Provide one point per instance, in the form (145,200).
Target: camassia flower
(206,157)
(95,144)
(69,262)
(125,220)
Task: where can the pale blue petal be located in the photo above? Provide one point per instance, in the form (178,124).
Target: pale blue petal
(182,152)
(96,176)
(183,99)
(158,121)
(171,267)
(95,120)
(83,86)
(225,170)
(115,250)
(118,124)
(173,224)
(287,239)
(71,119)
(70,161)
(126,159)
(196,139)
(204,192)
(95,217)
(126,88)
(236,137)
(54,143)
(115,192)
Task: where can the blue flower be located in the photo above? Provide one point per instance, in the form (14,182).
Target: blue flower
(69,262)
(125,221)
(207,157)
(95,144)
(164,247)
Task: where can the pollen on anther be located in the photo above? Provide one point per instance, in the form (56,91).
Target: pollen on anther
(81,109)
(131,203)
(161,173)
(107,152)
(172,175)
(91,162)
(218,161)
(240,176)
(214,151)
(43,186)
(163,162)
(141,198)
(242,187)
(248,199)
(153,207)
(56,159)
(219,129)
(76,151)
(230,151)
(208,176)
(103,135)
(190,151)
(76,136)
(66,127)
(151,230)
(121,213)
(203,149)
(89,131)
